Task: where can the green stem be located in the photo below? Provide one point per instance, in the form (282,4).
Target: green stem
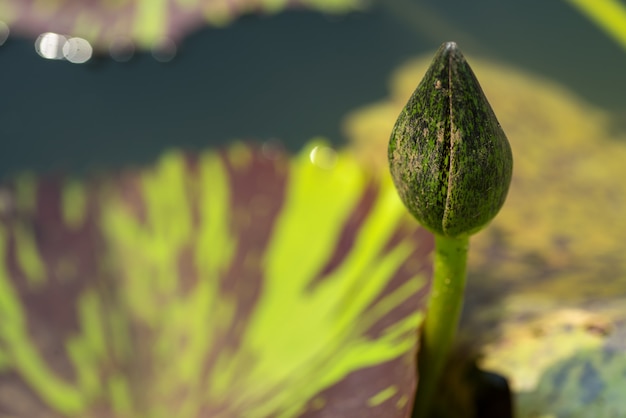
(442,317)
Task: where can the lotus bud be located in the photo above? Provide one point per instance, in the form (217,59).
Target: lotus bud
(450,160)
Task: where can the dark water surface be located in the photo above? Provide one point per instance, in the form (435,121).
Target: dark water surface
(289,77)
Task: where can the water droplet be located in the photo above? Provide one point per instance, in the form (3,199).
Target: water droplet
(323,157)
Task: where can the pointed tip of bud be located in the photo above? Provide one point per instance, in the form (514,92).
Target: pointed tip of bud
(447,53)
(450,46)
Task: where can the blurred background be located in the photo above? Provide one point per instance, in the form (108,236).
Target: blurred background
(286,75)
(121,81)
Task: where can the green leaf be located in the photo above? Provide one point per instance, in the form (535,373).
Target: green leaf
(233,283)
(609,15)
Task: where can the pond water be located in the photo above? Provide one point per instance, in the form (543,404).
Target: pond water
(287,77)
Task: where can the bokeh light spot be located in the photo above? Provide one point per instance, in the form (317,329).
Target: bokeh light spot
(50,45)
(4,32)
(77,50)
(272,149)
(165,50)
(122,49)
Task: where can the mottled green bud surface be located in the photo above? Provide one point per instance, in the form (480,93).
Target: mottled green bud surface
(450,159)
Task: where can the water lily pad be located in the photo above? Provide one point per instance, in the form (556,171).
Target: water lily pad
(238,283)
